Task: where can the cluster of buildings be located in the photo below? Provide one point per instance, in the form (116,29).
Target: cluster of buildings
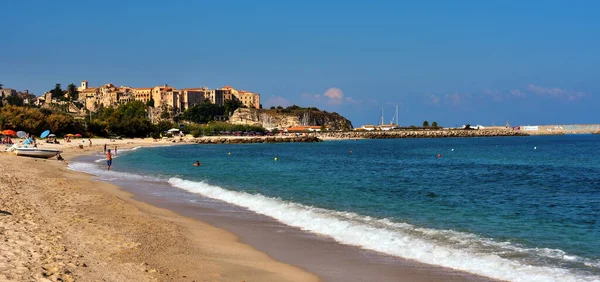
(165,97)
(24,95)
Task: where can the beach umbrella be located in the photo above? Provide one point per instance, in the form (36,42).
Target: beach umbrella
(173,129)
(45,134)
(9,132)
(77,135)
(21,134)
(51,135)
(69,135)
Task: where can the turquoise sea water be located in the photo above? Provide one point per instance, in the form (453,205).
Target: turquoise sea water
(523,208)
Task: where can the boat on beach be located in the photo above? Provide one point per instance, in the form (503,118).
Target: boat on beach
(36,152)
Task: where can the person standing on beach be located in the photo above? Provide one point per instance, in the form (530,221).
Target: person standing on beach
(115,150)
(108,160)
(105,148)
(90,142)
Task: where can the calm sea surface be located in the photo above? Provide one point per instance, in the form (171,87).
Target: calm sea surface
(523,208)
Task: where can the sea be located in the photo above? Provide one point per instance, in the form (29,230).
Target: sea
(507,208)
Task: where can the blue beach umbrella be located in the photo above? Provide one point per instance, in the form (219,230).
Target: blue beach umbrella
(45,134)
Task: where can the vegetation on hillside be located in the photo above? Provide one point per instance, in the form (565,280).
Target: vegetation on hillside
(207,112)
(127,120)
(314,115)
(34,120)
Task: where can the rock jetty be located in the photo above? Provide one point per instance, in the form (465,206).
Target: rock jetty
(421,134)
(320,136)
(265,139)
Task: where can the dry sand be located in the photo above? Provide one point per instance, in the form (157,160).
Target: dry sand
(60,225)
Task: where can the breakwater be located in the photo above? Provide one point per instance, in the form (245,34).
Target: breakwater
(320,136)
(561,129)
(421,134)
(257,139)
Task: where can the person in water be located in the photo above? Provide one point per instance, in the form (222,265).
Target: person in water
(108,159)
(197,163)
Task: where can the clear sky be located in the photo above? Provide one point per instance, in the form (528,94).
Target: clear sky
(454,62)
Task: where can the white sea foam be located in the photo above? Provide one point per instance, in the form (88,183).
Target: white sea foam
(460,250)
(119,152)
(110,175)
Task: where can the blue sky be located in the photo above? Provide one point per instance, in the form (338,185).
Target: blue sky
(455,62)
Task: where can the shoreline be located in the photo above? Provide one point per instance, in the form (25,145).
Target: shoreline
(323,256)
(143,254)
(56,223)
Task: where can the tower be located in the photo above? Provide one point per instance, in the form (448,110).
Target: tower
(84,85)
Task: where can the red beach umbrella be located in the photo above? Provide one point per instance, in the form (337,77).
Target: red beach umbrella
(77,135)
(9,132)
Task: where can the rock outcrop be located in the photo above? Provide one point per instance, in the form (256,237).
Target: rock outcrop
(268,139)
(291,116)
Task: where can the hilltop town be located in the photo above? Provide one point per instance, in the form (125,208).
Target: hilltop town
(163,97)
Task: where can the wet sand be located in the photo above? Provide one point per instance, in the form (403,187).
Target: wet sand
(60,225)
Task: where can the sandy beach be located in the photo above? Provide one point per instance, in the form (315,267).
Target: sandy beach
(60,225)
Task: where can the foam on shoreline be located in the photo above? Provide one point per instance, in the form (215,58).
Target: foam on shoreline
(397,239)
(447,248)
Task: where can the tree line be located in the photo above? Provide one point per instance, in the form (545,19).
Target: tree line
(127,120)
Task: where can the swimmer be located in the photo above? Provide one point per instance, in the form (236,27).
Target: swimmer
(197,163)
(108,159)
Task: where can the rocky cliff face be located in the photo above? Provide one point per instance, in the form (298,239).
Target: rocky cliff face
(284,118)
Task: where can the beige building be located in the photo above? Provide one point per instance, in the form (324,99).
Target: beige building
(142,94)
(166,96)
(248,99)
(194,96)
(163,96)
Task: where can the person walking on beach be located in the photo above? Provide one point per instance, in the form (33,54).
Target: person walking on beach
(115,150)
(105,148)
(90,140)
(108,160)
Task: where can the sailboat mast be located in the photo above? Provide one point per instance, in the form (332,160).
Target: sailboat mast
(396,115)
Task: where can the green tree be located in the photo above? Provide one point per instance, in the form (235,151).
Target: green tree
(323,128)
(21,118)
(73,93)
(57,91)
(165,114)
(150,102)
(202,113)
(425,124)
(1,85)
(128,119)
(272,108)
(163,126)
(59,123)
(14,100)
(231,106)
(467,127)
(434,125)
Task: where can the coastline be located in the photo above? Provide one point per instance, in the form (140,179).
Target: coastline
(56,223)
(153,241)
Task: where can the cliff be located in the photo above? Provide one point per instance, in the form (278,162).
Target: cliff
(290,116)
